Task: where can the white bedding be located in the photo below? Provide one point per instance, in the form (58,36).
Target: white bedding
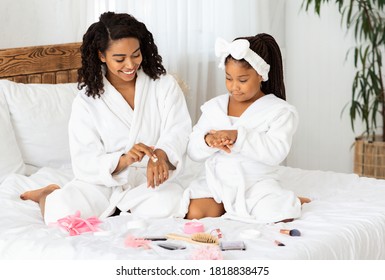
(345,220)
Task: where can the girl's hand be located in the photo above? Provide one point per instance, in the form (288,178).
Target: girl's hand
(221,139)
(158,170)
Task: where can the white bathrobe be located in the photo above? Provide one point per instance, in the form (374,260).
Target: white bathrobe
(102,129)
(245,180)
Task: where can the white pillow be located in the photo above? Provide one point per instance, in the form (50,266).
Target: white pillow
(11,160)
(39,116)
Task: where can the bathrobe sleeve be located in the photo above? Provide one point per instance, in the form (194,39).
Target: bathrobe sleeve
(197,148)
(90,161)
(214,116)
(271,145)
(175,122)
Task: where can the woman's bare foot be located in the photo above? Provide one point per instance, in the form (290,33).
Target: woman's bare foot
(36,195)
(304,200)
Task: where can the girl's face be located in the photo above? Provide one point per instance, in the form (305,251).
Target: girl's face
(244,84)
(123,59)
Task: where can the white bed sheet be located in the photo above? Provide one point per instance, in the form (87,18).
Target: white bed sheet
(345,220)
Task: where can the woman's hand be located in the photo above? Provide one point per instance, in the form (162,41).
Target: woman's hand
(135,154)
(138,151)
(158,169)
(221,139)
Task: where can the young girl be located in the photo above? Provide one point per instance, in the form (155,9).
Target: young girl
(243,136)
(128,129)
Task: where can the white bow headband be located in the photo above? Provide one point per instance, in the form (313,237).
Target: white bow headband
(240,49)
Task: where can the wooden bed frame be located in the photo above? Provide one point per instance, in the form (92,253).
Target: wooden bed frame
(49,64)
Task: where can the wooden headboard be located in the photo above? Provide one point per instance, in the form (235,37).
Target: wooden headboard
(50,64)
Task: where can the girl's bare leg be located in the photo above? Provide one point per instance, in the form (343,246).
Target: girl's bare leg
(204,207)
(208,207)
(39,195)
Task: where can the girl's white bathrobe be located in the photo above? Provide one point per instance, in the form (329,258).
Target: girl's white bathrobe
(245,180)
(103,129)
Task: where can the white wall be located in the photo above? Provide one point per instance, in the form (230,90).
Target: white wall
(40,22)
(318,79)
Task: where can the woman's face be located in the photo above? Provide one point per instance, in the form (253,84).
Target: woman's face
(122,58)
(243,83)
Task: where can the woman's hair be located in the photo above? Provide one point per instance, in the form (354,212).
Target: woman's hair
(114,26)
(266,47)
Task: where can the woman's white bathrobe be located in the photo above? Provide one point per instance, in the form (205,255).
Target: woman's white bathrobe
(102,129)
(245,180)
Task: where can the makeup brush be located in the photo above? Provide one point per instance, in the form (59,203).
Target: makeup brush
(197,238)
(291,232)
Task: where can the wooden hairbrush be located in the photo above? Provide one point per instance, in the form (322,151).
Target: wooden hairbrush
(197,238)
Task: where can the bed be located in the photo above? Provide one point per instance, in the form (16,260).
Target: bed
(344,221)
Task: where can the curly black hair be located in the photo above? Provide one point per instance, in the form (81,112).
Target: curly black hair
(266,47)
(114,26)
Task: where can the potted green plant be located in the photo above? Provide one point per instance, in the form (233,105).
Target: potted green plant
(366,18)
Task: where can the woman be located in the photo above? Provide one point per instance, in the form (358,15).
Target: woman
(128,129)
